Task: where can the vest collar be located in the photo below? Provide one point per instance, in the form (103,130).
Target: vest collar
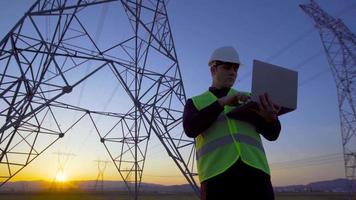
(219,92)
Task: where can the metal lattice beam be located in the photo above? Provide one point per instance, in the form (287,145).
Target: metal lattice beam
(339,43)
(42,63)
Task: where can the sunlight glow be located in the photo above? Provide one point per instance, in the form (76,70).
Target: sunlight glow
(61,177)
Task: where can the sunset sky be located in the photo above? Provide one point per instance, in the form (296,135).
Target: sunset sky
(309,147)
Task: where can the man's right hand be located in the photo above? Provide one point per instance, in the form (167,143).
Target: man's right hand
(234,100)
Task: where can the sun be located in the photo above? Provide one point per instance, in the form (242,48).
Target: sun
(61,177)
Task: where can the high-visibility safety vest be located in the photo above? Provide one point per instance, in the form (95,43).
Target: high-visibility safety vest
(225,141)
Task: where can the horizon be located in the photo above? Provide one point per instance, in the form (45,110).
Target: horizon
(113,180)
(309,148)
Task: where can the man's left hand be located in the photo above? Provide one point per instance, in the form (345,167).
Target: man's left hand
(267,109)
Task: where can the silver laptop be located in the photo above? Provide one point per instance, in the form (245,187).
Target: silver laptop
(280,83)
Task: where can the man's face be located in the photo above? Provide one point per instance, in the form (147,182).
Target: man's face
(224,74)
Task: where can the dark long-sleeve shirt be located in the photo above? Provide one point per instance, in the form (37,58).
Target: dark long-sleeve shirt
(195,122)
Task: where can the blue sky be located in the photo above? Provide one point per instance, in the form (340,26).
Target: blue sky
(275,31)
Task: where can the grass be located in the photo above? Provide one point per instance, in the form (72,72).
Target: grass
(153,196)
(93,196)
(312,196)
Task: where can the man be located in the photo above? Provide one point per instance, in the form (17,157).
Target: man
(230,157)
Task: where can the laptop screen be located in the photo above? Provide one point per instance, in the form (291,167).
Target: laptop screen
(280,83)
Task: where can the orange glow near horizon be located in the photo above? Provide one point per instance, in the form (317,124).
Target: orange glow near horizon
(61,177)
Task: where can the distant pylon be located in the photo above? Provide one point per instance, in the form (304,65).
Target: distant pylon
(339,43)
(43,61)
(99,183)
(62,160)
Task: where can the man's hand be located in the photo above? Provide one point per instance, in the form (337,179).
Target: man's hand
(267,109)
(234,100)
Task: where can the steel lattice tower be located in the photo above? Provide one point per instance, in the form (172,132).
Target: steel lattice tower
(102,164)
(43,61)
(62,161)
(339,43)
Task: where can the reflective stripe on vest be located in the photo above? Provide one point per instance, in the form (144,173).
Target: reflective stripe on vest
(211,146)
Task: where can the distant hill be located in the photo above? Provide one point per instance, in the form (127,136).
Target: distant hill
(337,185)
(39,186)
(120,185)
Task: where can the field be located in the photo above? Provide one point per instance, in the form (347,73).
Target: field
(312,196)
(154,196)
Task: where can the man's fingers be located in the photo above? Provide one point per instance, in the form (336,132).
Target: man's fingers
(269,101)
(241,98)
(244,97)
(237,99)
(233,100)
(254,110)
(263,102)
(277,108)
(260,106)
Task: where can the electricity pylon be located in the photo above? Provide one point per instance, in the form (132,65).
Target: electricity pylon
(42,63)
(339,43)
(62,159)
(102,164)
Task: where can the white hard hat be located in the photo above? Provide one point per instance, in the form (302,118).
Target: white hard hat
(225,54)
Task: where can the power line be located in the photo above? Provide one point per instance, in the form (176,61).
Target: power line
(312,78)
(307,158)
(97,36)
(308,59)
(295,41)
(290,44)
(311,164)
(307,162)
(283,49)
